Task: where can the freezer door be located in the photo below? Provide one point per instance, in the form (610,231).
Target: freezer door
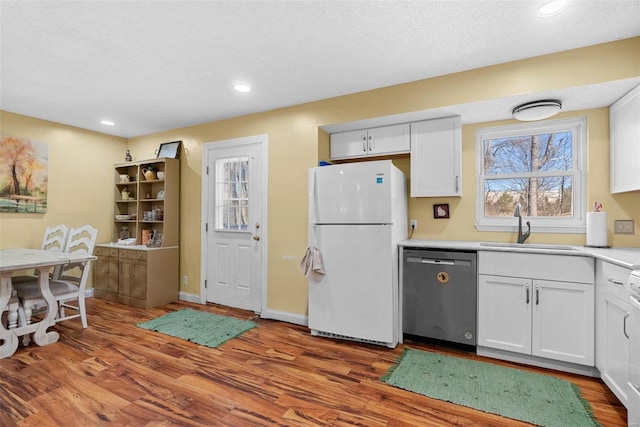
(351,193)
(358,296)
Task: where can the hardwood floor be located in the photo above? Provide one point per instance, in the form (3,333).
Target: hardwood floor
(114,373)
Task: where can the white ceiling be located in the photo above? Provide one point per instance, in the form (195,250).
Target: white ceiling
(152,66)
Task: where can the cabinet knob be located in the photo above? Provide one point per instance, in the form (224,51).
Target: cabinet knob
(256,237)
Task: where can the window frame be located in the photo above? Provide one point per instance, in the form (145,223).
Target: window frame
(574,224)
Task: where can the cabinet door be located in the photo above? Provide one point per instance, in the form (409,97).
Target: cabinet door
(125,276)
(612,344)
(504,313)
(389,140)
(106,276)
(563,321)
(112,276)
(101,272)
(624,117)
(436,158)
(347,145)
(133,278)
(139,285)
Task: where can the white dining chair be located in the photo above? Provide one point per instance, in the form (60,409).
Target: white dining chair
(69,285)
(54,239)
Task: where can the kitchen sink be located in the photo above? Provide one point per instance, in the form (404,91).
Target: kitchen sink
(528,246)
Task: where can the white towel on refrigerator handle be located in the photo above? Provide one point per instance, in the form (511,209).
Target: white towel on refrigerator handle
(311,264)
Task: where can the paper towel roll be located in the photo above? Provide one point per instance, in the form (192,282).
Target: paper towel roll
(597,229)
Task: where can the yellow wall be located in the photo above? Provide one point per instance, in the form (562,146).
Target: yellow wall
(296,143)
(80,181)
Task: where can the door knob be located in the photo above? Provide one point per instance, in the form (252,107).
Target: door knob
(256,237)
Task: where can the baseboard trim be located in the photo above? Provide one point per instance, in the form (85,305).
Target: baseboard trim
(558,365)
(283,316)
(184,296)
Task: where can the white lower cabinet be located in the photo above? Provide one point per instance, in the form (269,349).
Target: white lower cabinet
(540,317)
(533,315)
(612,309)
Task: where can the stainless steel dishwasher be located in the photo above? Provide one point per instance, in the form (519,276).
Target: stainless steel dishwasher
(440,295)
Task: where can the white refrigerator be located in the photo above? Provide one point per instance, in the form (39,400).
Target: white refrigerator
(357,217)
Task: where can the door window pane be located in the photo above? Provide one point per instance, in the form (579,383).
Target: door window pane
(232,193)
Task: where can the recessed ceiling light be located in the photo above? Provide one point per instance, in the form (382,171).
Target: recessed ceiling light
(553,8)
(242,88)
(107,122)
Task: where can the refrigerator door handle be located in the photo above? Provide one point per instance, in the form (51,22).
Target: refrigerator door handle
(313,200)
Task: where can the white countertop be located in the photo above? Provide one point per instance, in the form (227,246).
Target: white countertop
(624,257)
(134,247)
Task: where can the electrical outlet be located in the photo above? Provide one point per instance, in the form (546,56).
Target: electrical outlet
(621,226)
(414,224)
(185,280)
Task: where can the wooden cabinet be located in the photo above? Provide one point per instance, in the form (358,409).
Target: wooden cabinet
(612,342)
(624,128)
(106,269)
(520,310)
(436,158)
(380,141)
(144,277)
(146,203)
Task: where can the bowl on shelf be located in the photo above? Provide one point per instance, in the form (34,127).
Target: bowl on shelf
(123,217)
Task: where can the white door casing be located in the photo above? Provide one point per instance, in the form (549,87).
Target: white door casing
(234,231)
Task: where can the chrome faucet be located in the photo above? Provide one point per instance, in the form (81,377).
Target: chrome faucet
(521,236)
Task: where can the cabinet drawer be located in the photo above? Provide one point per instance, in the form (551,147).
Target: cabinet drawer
(612,278)
(105,252)
(131,254)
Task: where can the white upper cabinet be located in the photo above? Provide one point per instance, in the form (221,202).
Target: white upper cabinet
(380,141)
(436,158)
(624,125)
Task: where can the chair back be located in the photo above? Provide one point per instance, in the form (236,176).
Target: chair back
(55,238)
(81,241)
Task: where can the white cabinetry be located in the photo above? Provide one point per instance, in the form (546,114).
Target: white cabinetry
(624,125)
(436,158)
(379,141)
(612,343)
(536,305)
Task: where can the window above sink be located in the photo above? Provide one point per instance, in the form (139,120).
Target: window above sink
(539,165)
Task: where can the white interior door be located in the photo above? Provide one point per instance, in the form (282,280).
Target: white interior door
(233,245)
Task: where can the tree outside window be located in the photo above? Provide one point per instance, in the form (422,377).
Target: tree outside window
(538,165)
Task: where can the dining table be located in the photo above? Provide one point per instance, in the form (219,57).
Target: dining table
(16,259)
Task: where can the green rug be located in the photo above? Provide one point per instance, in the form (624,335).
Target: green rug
(199,327)
(526,396)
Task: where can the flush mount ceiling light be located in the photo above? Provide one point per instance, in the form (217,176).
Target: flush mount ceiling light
(537,110)
(242,88)
(553,8)
(107,122)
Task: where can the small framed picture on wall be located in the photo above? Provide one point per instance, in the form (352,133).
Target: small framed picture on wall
(441,211)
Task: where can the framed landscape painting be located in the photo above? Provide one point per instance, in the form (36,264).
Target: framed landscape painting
(23,175)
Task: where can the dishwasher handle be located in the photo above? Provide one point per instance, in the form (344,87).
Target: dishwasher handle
(431,261)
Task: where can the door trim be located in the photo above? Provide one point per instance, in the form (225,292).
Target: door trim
(207,149)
